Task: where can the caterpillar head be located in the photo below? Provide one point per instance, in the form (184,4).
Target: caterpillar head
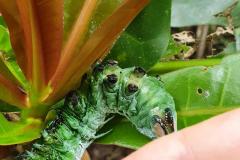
(140,98)
(156,114)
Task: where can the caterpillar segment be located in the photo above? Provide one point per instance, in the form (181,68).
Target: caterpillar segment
(106,90)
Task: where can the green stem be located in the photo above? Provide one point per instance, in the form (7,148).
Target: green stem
(165,67)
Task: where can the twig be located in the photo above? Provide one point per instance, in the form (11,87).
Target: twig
(202,32)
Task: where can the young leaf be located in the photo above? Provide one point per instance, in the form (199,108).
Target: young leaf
(74,13)
(18,132)
(146,39)
(42,25)
(10,13)
(5,44)
(72,68)
(50,23)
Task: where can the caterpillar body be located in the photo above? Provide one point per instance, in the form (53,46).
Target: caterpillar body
(107,90)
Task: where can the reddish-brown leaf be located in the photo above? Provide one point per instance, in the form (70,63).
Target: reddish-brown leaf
(9,11)
(70,70)
(42,22)
(36,29)
(50,20)
(11,93)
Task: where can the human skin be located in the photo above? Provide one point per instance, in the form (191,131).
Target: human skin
(215,139)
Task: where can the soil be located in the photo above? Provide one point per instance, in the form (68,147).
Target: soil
(96,152)
(107,152)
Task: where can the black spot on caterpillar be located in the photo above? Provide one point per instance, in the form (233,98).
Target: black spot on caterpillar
(108,89)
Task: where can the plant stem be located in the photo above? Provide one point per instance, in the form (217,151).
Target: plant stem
(165,67)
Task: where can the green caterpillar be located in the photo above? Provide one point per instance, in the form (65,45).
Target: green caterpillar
(107,90)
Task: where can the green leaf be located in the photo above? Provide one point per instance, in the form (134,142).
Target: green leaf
(8,63)
(235,15)
(237,37)
(2,21)
(72,9)
(18,132)
(16,71)
(199,93)
(147,37)
(122,133)
(169,66)
(5,107)
(196,12)
(5,44)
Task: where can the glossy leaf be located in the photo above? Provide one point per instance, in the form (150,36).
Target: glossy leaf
(10,13)
(199,93)
(187,13)
(146,39)
(42,26)
(50,23)
(5,47)
(205,92)
(169,66)
(36,29)
(12,132)
(8,66)
(122,133)
(73,9)
(12,93)
(4,70)
(72,68)
(5,44)
(81,18)
(2,21)
(14,71)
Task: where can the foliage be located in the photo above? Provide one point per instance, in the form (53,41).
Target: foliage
(5,44)
(52,53)
(18,132)
(142,44)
